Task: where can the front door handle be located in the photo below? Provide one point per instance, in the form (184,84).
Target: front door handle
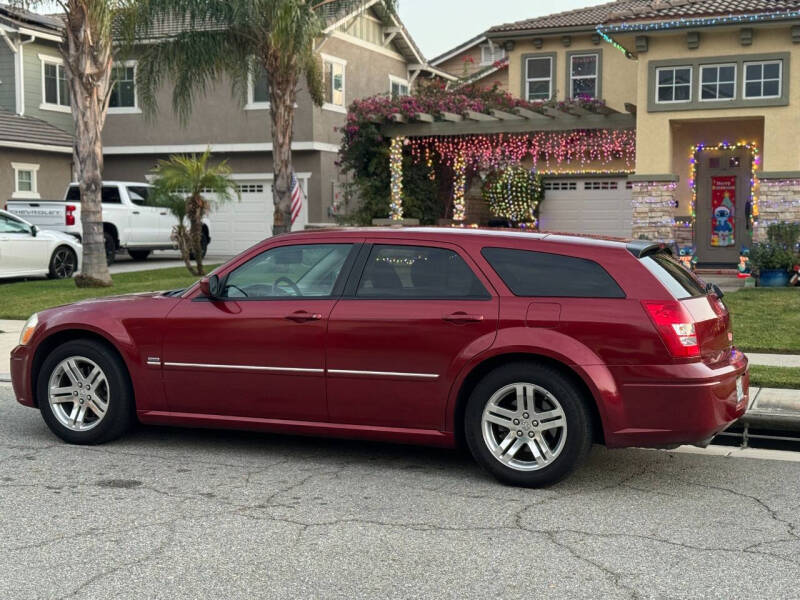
(135,212)
(302,316)
(462,317)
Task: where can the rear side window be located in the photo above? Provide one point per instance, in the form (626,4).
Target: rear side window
(535,274)
(673,276)
(110,194)
(417,273)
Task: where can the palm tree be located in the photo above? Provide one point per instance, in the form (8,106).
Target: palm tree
(235,38)
(180,184)
(87,50)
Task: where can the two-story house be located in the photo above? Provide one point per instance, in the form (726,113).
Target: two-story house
(35,119)
(703,93)
(365,52)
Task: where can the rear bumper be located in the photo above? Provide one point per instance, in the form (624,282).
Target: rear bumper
(676,404)
(21,362)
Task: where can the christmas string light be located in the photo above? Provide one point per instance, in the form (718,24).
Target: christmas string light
(514,193)
(396,172)
(684,22)
(459,189)
(694,155)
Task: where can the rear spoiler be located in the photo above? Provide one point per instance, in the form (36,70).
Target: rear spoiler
(642,248)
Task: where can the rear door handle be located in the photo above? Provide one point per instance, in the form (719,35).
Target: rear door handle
(302,316)
(135,212)
(462,317)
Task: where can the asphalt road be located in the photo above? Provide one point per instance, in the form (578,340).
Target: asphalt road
(170,513)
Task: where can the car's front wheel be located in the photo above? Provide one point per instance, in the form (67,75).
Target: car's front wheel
(527,424)
(84,393)
(63,263)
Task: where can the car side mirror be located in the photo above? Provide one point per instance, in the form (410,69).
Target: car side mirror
(713,288)
(210,287)
(34,231)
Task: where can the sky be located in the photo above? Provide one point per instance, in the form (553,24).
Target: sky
(438,25)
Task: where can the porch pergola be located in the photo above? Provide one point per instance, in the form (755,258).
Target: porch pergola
(593,128)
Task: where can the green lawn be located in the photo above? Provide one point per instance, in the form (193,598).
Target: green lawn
(774,377)
(766,320)
(21,300)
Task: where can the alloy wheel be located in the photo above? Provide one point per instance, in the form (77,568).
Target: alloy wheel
(64,263)
(524,426)
(79,393)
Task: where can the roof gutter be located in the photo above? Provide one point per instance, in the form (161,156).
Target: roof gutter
(711,21)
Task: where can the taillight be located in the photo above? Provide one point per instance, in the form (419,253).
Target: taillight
(70,215)
(676,327)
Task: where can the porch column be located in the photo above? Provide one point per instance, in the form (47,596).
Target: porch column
(396,171)
(653,210)
(779,201)
(459,189)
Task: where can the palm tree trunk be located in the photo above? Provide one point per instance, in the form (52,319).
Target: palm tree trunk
(282,113)
(195,215)
(88,66)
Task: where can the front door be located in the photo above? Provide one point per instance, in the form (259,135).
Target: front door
(402,331)
(259,350)
(722,224)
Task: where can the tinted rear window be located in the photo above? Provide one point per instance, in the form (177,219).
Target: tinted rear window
(528,273)
(110,194)
(680,282)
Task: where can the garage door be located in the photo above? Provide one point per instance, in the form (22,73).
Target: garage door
(596,206)
(236,226)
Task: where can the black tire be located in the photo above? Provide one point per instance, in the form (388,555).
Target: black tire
(63,263)
(139,255)
(119,414)
(578,433)
(205,241)
(111,248)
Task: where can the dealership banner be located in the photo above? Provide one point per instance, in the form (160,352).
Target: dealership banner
(723,210)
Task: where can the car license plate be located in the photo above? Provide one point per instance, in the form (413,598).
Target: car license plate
(739,390)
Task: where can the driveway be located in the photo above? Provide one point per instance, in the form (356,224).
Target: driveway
(165,259)
(170,513)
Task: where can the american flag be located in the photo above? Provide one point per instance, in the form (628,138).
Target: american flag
(297,197)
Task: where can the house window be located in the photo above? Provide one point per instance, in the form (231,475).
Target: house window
(674,84)
(398,87)
(763,79)
(583,75)
(258,89)
(25,180)
(717,82)
(55,91)
(539,78)
(491,53)
(333,72)
(123,90)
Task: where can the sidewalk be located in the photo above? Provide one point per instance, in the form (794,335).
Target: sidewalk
(9,336)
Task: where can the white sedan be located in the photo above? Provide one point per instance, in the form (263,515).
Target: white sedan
(25,251)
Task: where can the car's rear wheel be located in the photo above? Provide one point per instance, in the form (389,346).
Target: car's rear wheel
(84,393)
(527,424)
(139,255)
(63,263)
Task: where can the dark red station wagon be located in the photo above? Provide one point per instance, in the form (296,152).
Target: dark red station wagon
(528,347)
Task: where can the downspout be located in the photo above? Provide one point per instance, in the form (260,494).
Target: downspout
(20,74)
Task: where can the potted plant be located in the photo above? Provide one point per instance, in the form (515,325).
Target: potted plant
(772,260)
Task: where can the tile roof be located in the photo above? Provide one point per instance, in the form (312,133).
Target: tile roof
(646,10)
(25,18)
(16,128)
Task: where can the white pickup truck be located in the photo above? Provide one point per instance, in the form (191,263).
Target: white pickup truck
(130,221)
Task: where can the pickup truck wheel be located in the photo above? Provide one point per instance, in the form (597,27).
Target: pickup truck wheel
(84,393)
(139,254)
(111,248)
(63,263)
(528,425)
